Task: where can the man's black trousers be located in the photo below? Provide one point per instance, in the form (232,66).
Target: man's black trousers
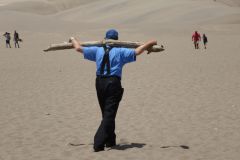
(109,93)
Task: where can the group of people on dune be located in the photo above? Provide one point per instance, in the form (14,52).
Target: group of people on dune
(196,38)
(16,39)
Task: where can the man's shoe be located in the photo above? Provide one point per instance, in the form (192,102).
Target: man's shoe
(98,149)
(109,145)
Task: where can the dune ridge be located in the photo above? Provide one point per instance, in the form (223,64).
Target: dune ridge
(160,12)
(42,7)
(232,3)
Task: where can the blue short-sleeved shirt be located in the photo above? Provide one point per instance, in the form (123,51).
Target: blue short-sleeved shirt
(118,58)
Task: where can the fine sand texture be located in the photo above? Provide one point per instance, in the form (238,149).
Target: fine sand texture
(180,104)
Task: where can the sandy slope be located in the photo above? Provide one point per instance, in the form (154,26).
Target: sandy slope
(41,6)
(180,97)
(122,13)
(233,3)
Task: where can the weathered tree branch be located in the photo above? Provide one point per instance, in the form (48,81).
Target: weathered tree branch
(114,43)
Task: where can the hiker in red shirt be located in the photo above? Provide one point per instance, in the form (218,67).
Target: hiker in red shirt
(196,38)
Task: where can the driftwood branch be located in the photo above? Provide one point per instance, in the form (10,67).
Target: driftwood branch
(113,43)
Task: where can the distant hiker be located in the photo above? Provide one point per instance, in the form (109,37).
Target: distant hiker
(205,41)
(196,38)
(109,63)
(8,38)
(16,39)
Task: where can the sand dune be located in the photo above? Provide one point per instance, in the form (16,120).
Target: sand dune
(138,12)
(179,97)
(41,6)
(233,3)
(185,11)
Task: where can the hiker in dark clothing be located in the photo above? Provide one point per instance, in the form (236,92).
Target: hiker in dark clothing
(205,41)
(16,39)
(109,64)
(8,38)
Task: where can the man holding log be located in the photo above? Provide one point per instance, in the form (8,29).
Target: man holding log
(109,62)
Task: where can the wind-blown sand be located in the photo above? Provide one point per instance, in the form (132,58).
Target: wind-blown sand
(178,97)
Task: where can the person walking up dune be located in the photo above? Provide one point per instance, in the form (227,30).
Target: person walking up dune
(205,41)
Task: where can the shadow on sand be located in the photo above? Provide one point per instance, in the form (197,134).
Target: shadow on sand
(128,146)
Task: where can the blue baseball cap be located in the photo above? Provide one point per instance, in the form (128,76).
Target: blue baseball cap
(111,34)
